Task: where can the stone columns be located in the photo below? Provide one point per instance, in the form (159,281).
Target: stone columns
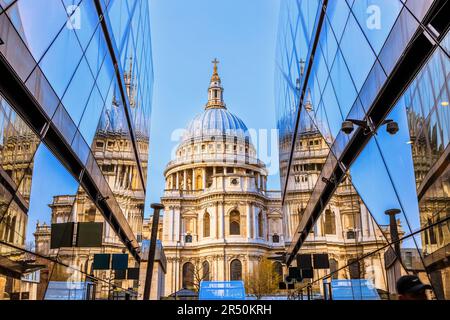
(364,221)
(255,223)
(222,213)
(319,224)
(204,178)
(176,224)
(220,218)
(248,220)
(266,228)
(339,222)
(216,221)
(287,221)
(167,224)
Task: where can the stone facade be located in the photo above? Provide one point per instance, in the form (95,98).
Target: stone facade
(220,219)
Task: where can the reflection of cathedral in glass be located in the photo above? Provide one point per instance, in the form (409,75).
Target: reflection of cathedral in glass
(113,150)
(74,136)
(345,230)
(17,147)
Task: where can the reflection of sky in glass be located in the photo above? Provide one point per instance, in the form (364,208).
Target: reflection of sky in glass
(31,14)
(384,175)
(387,10)
(384,172)
(49,179)
(398,156)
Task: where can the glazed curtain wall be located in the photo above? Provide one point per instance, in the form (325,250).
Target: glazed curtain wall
(356,54)
(99,113)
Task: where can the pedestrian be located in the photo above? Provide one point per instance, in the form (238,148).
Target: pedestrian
(411,288)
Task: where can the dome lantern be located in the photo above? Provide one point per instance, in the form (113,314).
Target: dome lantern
(216,119)
(215,90)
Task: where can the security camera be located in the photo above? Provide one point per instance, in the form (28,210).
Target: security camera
(392,127)
(347,127)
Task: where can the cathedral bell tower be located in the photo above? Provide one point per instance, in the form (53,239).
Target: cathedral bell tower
(215,91)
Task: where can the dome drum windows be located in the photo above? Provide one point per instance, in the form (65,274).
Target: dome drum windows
(209,176)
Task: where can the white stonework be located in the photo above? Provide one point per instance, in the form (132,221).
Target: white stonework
(217,180)
(218,210)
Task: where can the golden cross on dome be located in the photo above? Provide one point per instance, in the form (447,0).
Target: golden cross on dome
(216,62)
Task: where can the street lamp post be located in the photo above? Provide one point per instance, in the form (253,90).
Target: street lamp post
(151,253)
(393,229)
(177,269)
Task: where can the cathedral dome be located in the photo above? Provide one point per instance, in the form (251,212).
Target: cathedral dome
(216,120)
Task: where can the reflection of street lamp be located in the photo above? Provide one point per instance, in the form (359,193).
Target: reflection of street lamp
(302,66)
(112,277)
(157,207)
(393,229)
(177,268)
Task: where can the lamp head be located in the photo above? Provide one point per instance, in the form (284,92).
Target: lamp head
(347,127)
(392,127)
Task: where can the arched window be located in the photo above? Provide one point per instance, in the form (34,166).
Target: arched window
(275,238)
(188,275)
(235,223)
(206,225)
(260,225)
(334,266)
(278,268)
(91,215)
(2,230)
(354,269)
(330,222)
(432,234)
(235,270)
(12,229)
(205,271)
(188,238)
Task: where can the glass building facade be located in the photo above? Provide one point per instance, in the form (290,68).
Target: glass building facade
(362,102)
(75,103)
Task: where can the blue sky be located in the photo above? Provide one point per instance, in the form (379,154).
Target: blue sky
(186,37)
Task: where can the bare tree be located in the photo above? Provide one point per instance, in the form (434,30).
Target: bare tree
(195,275)
(199,276)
